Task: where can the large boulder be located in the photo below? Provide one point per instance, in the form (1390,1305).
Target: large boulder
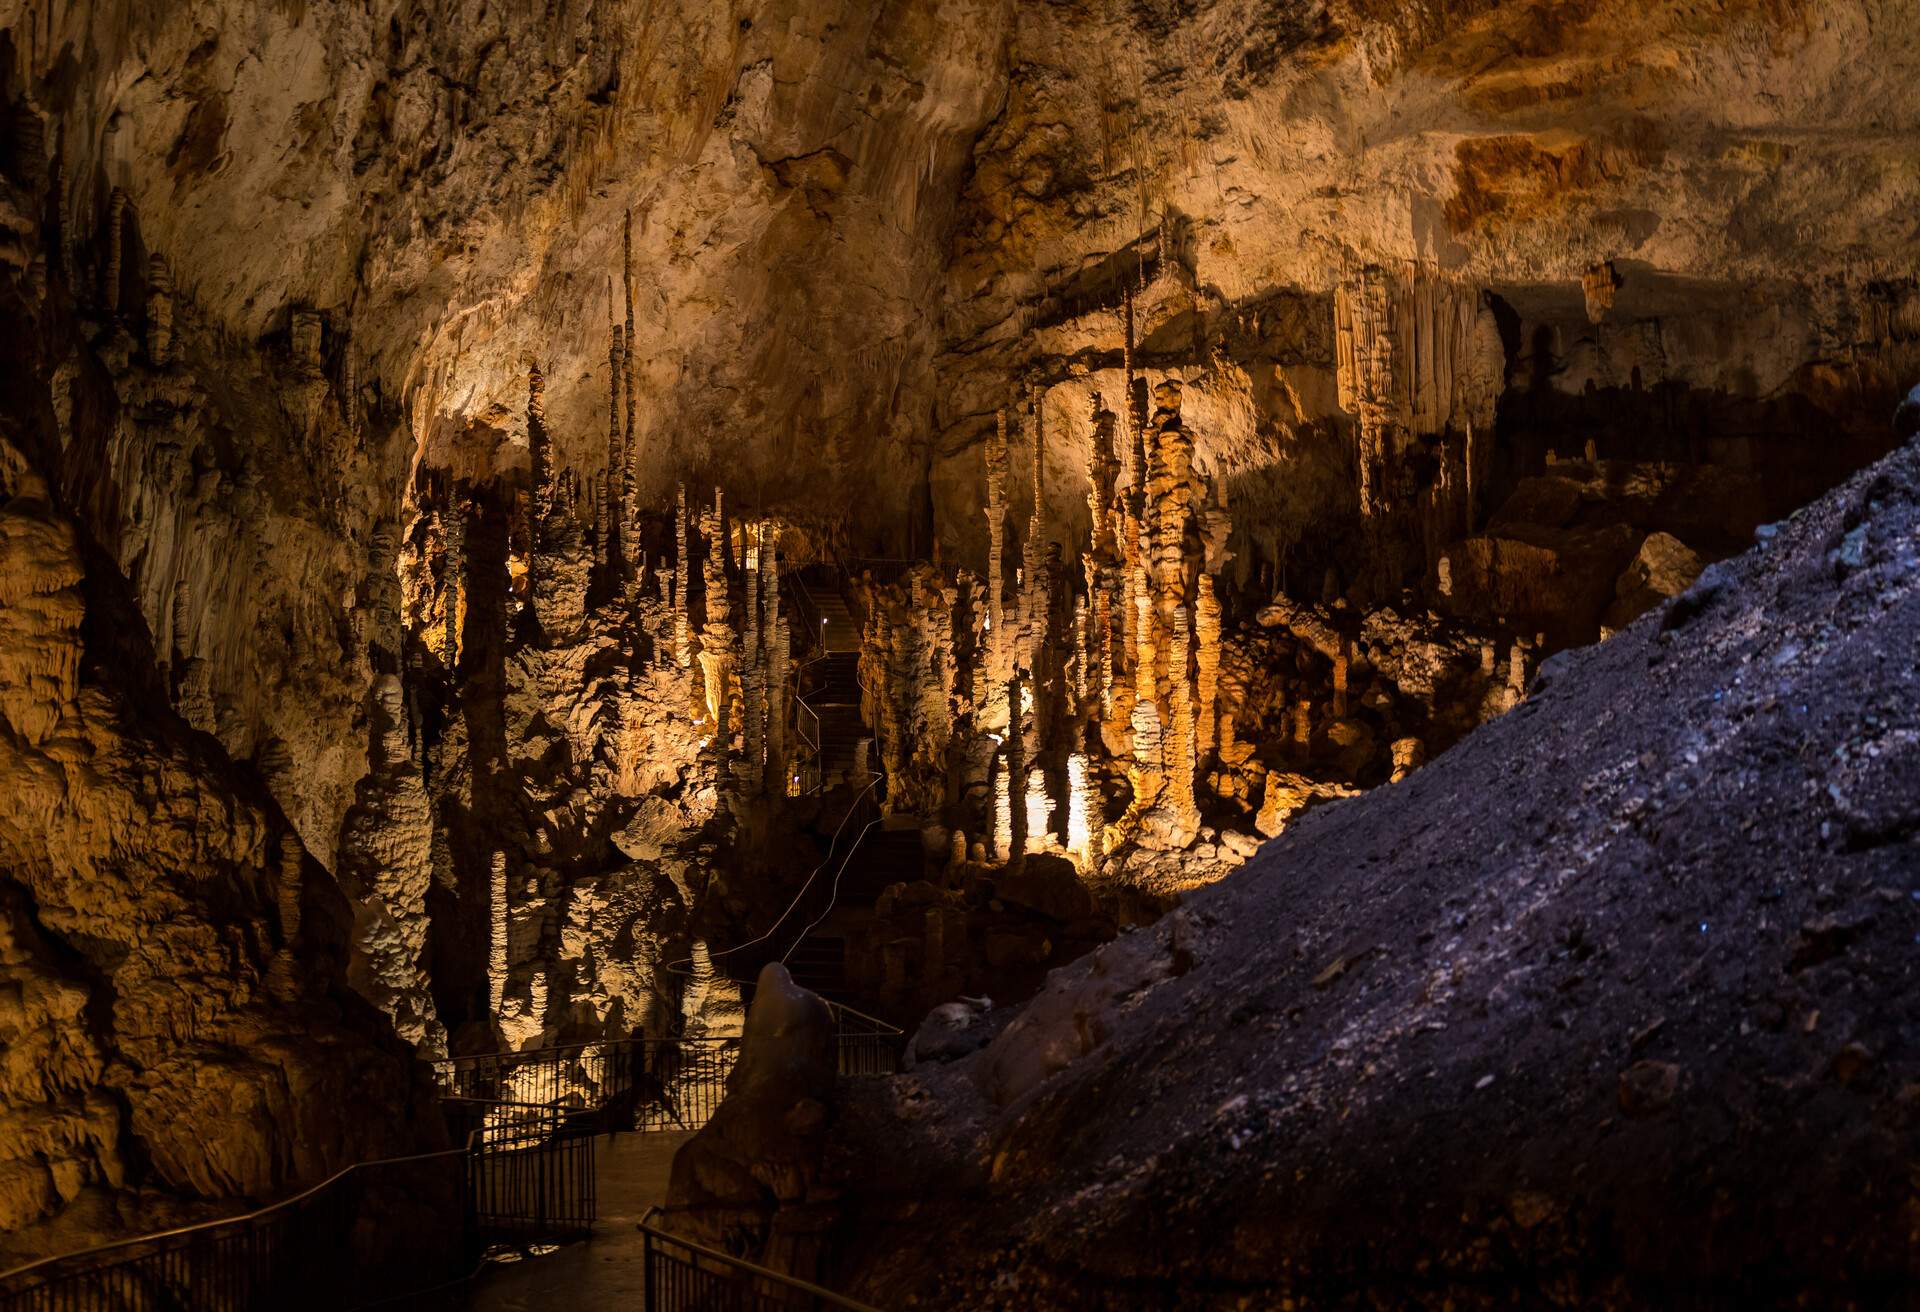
(1663,567)
(749,1180)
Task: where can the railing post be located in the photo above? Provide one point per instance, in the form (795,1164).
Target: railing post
(647,1268)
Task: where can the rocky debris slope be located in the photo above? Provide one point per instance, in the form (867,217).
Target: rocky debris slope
(1614,1005)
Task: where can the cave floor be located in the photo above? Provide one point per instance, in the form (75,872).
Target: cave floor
(630,1176)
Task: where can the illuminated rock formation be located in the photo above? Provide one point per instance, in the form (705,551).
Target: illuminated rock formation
(386,867)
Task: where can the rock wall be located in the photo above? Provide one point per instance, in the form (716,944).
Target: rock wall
(177,1022)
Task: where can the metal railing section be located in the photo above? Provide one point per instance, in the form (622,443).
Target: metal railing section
(684,1276)
(532,1178)
(376,1231)
(398,1230)
(636,1084)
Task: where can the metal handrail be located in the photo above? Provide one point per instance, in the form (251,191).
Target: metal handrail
(239,1218)
(823,1297)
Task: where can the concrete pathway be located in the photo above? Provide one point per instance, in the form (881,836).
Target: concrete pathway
(630,1176)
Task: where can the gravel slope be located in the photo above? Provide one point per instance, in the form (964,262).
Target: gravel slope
(1612,1005)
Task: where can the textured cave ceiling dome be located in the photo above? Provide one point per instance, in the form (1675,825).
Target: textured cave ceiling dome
(847,218)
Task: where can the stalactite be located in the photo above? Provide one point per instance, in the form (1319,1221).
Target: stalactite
(612,493)
(63,216)
(539,450)
(1132,466)
(29,134)
(116,239)
(287,892)
(453,584)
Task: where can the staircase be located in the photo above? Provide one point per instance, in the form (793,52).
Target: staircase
(838,632)
(885,856)
(835,698)
(832,690)
(819,962)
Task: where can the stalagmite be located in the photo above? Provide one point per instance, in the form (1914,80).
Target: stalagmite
(453,584)
(305,331)
(779,648)
(1182,816)
(1038,804)
(1079,830)
(539,450)
(996,520)
(683,582)
(1016,770)
(1599,283)
(716,634)
(1174,498)
(753,670)
(159,310)
(63,218)
(497,934)
(1206,625)
(1409,754)
(283,973)
(1003,810)
(630,345)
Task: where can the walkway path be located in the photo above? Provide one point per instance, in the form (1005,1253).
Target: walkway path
(630,1176)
